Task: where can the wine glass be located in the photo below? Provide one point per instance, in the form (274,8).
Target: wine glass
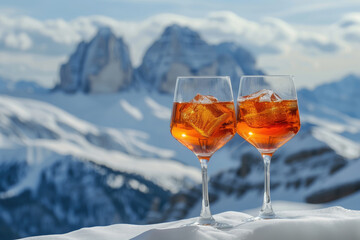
(203,119)
(267,117)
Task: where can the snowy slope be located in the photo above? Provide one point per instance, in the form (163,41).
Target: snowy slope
(334,106)
(31,123)
(60,173)
(323,224)
(309,159)
(313,157)
(21,86)
(146,112)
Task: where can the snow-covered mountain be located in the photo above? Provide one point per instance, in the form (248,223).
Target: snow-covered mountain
(60,173)
(341,96)
(316,166)
(101,66)
(93,159)
(181,51)
(21,86)
(333,111)
(335,105)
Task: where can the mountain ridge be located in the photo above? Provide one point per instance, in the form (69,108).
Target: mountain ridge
(178,51)
(102,65)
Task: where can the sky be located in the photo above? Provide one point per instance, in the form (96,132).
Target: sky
(317,41)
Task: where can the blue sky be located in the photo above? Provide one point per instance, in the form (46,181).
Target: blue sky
(317,41)
(294,11)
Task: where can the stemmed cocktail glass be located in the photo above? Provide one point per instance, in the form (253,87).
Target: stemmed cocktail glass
(203,119)
(267,117)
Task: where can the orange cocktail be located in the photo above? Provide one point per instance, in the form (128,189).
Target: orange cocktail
(269,124)
(203,127)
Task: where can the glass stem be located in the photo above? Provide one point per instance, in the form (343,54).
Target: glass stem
(266,209)
(205,215)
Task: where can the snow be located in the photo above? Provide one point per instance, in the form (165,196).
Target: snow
(35,160)
(159,110)
(349,174)
(340,144)
(351,201)
(132,110)
(61,133)
(280,206)
(115,181)
(327,223)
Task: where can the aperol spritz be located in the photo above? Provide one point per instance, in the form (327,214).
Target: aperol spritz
(267,117)
(203,119)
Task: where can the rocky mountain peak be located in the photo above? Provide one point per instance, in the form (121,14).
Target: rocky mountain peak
(105,31)
(180,51)
(176,33)
(102,65)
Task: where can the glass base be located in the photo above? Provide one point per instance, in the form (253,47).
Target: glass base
(261,216)
(211,223)
(265,216)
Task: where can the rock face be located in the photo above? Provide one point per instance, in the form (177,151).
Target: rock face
(99,196)
(101,66)
(181,51)
(47,190)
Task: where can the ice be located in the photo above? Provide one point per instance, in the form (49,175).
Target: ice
(267,117)
(263,108)
(204,99)
(264,95)
(204,117)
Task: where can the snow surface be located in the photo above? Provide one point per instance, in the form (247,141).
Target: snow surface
(132,110)
(327,223)
(133,153)
(151,135)
(123,112)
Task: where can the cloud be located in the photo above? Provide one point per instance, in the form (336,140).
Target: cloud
(267,38)
(349,26)
(39,68)
(349,20)
(316,6)
(318,41)
(21,41)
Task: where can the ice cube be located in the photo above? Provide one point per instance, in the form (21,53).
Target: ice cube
(265,114)
(204,99)
(264,95)
(205,118)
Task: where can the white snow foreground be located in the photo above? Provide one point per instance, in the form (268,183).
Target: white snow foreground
(328,223)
